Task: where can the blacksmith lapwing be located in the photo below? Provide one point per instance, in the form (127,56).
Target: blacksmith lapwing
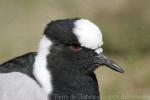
(69,52)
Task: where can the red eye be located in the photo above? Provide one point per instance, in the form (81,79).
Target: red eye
(75,47)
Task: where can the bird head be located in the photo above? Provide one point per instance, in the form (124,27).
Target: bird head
(76,45)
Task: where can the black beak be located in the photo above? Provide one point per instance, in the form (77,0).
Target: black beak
(103,60)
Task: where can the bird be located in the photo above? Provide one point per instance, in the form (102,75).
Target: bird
(69,52)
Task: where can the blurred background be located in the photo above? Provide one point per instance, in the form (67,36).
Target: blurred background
(126,33)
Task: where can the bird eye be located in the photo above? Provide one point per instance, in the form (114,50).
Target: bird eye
(75,47)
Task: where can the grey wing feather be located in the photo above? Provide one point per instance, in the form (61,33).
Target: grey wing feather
(17,86)
(23,64)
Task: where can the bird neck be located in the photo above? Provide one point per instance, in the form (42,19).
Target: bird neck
(59,82)
(68,84)
(40,71)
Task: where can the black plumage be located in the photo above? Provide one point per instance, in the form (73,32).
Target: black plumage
(23,64)
(70,65)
